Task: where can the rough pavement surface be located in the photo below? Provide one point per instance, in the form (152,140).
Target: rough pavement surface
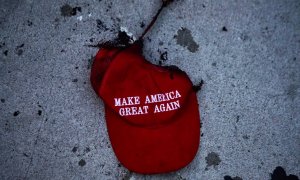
(247,53)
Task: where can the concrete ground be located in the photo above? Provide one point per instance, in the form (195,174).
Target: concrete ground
(247,53)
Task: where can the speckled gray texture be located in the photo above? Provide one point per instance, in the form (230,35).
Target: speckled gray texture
(52,123)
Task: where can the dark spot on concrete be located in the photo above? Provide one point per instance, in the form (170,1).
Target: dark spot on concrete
(92,40)
(82,163)
(224,29)
(75,80)
(142,24)
(16,113)
(123,38)
(164,56)
(76,67)
(198,86)
(20,52)
(246,137)
(39,112)
(20,46)
(185,39)
(237,118)
(202,134)
(67,11)
(87,150)
(214,64)
(29,23)
(74,150)
(5,52)
(101,26)
(63,50)
(203,5)
(161,43)
(280,174)
(232,178)
(160,64)
(3,100)
(19,49)
(26,155)
(212,159)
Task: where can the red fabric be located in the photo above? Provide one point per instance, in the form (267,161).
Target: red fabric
(149,134)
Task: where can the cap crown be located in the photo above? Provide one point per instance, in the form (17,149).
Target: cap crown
(142,93)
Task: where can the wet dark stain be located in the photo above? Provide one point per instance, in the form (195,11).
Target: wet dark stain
(5,52)
(75,80)
(198,86)
(142,24)
(123,38)
(232,178)
(101,26)
(214,64)
(164,56)
(67,11)
(76,67)
(212,159)
(280,174)
(74,150)
(184,38)
(237,119)
(87,150)
(82,163)
(3,100)
(16,113)
(246,137)
(224,29)
(160,64)
(121,41)
(29,23)
(39,112)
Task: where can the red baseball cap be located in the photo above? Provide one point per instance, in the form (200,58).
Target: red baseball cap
(151,112)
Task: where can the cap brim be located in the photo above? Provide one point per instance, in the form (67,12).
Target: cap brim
(149,150)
